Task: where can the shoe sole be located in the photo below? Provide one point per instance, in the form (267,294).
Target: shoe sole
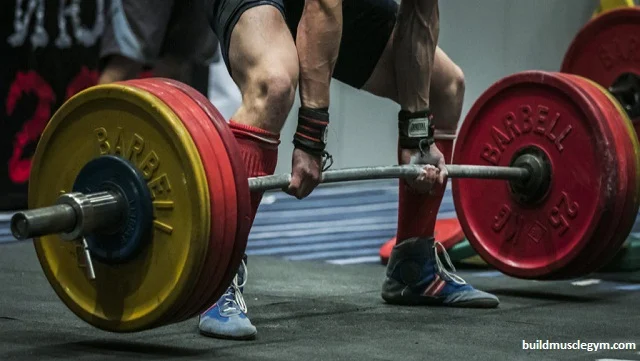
(421,301)
(227,337)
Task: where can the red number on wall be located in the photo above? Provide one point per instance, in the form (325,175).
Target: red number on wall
(84,79)
(24,83)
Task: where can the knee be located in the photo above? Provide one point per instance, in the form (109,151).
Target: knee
(451,97)
(456,87)
(276,89)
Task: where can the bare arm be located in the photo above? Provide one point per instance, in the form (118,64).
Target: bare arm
(318,43)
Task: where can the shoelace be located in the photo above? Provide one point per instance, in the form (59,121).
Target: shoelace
(440,267)
(233,297)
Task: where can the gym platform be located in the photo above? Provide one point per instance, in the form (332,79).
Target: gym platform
(314,294)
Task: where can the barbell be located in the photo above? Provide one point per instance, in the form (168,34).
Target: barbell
(139,203)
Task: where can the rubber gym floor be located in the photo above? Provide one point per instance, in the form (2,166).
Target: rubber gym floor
(314,294)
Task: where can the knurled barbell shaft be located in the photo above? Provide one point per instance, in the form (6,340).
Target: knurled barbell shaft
(89,212)
(389,172)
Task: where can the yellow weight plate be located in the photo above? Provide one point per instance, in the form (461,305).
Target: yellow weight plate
(608,5)
(131,123)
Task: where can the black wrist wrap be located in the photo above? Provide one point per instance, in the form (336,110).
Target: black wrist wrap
(311,134)
(415,129)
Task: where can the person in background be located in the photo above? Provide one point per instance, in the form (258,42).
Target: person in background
(168,36)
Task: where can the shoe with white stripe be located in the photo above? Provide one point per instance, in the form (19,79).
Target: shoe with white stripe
(416,276)
(227,318)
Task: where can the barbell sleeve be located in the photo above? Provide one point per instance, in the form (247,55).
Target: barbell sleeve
(395,171)
(41,221)
(74,214)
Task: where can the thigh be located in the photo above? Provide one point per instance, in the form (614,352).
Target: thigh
(261,46)
(135,32)
(263,62)
(383,80)
(367,27)
(223,15)
(445,74)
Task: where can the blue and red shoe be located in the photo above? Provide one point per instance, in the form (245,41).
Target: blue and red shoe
(416,276)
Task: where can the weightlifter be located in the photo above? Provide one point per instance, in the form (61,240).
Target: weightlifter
(272,46)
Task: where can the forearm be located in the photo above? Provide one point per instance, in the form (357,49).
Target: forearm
(318,43)
(416,37)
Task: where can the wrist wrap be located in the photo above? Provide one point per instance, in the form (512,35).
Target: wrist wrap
(311,134)
(416,130)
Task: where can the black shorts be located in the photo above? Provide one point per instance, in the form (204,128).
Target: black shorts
(367,26)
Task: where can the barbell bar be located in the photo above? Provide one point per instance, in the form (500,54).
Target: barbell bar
(390,172)
(77,214)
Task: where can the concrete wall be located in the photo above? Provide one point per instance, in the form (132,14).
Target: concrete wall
(489,39)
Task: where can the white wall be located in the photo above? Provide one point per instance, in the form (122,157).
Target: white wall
(489,39)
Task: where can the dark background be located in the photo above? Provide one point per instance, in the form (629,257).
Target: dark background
(41,79)
(36,80)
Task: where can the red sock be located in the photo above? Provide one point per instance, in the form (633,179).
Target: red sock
(259,151)
(417,213)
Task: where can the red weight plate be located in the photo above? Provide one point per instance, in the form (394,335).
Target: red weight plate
(624,215)
(589,259)
(545,111)
(211,166)
(212,292)
(626,134)
(448,232)
(243,195)
(220,183)
(207,288)
(211,162)
(633,191)
(606,48)
(627,204)
(385,250)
